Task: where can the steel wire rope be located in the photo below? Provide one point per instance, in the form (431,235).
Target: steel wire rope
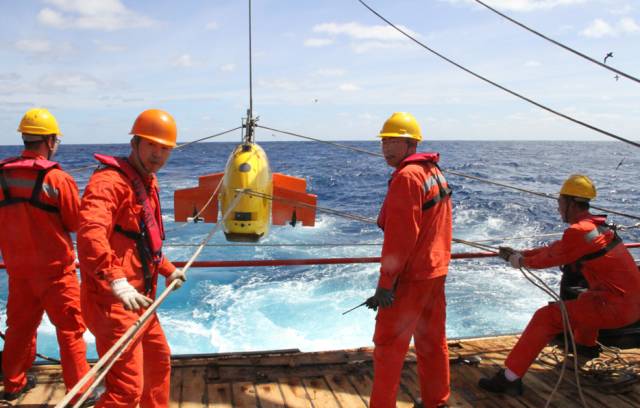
(112,355)
(93,166)
(559,44)
(497,85)
(349,216)
(206,138)
(455,173)
(79,169)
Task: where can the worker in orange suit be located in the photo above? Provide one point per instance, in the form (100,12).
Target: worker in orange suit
(120,250)
(416,220)
(588,246)
(39,206)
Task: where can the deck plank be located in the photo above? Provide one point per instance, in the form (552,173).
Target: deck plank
(269,395)
(193,387)
(294,393)
(344,378)
(319,392)
(244,395)
(175,387)
(219,395)
(344,392)
(363,384)
(455,400)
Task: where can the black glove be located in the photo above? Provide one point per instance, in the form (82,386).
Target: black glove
(505,253)
(383,298)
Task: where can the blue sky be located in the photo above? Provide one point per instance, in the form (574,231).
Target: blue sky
(327,69)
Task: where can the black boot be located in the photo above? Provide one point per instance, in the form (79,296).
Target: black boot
(499,384)
(419,404)
(31,383)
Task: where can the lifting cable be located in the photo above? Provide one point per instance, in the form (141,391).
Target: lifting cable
(114,353)
(93,166)
(348,215)
(206,138)
(559,44)
(455,173)
(531,101)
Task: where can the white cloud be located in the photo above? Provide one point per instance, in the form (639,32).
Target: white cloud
(317,42)
(228,67)
(9,76)
(212,25)
(43,48)
(521,5)
(34,46)
(600,28)
(183,61)
(329,72)
(628,25)
(366,38)
(362,47)
(279,84)
(622,10)
(361,32)
(106,15)
(532,64)
(106,47)
(66,82)
(348,87)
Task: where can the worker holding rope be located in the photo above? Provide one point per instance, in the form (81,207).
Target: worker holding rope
(39,205)
(589,246)
(120,252)
(417,223)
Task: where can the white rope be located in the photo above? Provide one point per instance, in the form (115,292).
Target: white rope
(111,356)
(568,333)
(213,195)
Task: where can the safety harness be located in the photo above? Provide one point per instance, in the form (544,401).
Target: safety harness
(433,158)
(573,281)
(41,166)
(443,192)
(149,239)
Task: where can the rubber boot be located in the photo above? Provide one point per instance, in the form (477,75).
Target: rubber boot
(500,385)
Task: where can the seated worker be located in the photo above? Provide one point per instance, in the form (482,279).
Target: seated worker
(613,297)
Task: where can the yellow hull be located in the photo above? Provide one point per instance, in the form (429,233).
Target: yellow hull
(247,168)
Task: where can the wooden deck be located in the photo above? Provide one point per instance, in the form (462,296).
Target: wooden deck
(344,379)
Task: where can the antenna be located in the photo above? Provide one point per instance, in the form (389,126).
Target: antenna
(250,123)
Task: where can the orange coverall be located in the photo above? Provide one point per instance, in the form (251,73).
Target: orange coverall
(415,258)
(612,301)
(38,252)
(142,374)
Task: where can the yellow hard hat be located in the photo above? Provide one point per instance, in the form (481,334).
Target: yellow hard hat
(401,124)
(578,185)
(157,126)
(39,121)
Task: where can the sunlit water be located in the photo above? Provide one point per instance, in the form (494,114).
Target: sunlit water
(233,309)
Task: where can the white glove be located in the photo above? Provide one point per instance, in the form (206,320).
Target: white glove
(128,295)
(516,260)
(177,274)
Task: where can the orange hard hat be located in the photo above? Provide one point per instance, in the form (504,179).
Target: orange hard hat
(156,125)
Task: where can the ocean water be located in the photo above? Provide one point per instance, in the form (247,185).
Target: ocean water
(240,309)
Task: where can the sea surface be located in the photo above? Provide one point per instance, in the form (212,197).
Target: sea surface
(241,309)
